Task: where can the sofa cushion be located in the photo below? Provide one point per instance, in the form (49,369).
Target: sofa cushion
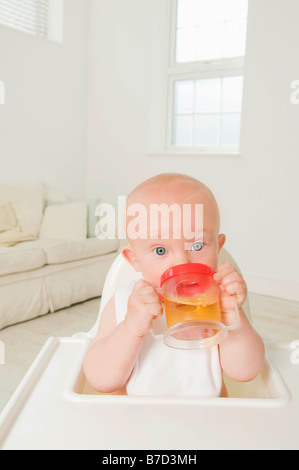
(10,231)
(27,201)
(92,219)
(15,260)
(8,220)
(32,255)
(13,237)
(66,252)
(64,222)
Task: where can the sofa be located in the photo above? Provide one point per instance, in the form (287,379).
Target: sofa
(49,256)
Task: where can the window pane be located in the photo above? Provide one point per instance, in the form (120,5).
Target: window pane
(186,45)
(207,112)
(195,12)
(235,38)
(210,41)
(206,130)
(208,96)
(232,94)
(211,29)
(184,97)
(41,18)
(236,9)
(183,131)
(231,125)
(16,15)
(210,11)
(188,13)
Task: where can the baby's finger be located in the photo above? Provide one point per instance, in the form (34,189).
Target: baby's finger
(232,277)
(155,310)
(160,293)
(152,298)
(142,284)
(144,288)
(223,271)
(235,288)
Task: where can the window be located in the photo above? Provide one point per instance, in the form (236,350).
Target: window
(207,112)
(196,77)
(210,29)
(41,18)
(205,76)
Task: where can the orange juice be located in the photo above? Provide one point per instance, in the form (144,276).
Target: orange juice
(191,309)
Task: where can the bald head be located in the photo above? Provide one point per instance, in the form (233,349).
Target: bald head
(178,189)
(167,183)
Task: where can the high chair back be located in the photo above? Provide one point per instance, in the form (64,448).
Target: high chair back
(121,273)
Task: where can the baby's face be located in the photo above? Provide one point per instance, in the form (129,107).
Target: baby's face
(188,238)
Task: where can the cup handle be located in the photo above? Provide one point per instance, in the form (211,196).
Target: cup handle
(237,324)
(158,337)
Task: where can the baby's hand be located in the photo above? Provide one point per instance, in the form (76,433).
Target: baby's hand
(232,289)
(144,305)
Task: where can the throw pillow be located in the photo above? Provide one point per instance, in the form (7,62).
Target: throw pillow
(10,230)
(92,220)
(64,222)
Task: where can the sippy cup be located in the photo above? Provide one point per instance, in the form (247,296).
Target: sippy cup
(191,300)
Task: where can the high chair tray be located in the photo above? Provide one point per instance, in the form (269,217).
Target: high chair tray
(54,408)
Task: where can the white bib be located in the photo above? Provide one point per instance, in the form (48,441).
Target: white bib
(161,370)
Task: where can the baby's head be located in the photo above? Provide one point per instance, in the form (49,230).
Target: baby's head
(171,219)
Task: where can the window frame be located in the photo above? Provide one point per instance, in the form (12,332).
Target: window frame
(176,71)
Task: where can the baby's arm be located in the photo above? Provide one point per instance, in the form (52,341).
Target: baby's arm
(242,354)
(111,357)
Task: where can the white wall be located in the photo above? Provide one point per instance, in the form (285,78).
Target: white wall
(267,177)
(119,45)
(43,123)
(257,192)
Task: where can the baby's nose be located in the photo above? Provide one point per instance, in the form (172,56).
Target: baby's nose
(182,258)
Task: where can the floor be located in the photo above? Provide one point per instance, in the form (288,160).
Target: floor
(273,318)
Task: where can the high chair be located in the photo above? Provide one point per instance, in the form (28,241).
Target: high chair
(55,408)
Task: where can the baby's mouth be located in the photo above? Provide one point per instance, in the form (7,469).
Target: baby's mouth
(188,289)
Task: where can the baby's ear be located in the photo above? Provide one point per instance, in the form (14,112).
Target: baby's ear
(129,255)
(221,241)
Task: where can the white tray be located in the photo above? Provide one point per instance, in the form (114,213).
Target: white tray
(53,408)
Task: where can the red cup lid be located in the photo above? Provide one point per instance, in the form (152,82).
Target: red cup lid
(185,269)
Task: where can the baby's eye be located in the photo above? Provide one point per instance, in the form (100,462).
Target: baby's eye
(160,251)
(197,246)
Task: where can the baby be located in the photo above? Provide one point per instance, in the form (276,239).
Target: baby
(125,358)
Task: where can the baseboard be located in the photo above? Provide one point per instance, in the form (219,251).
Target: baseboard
(272,287)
